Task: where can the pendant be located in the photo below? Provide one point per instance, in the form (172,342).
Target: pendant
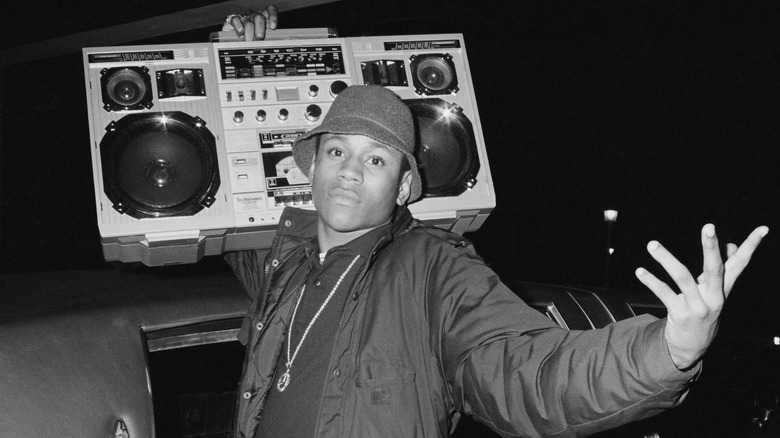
(283,381)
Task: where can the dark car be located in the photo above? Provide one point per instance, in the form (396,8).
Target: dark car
(153,352)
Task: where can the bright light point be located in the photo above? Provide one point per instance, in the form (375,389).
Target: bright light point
(611,251)
(163,119)
(446,114)
(610,215)
(777,340)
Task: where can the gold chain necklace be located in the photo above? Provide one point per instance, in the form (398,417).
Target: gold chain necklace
(285,379)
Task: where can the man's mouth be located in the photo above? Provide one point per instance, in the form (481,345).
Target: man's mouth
(344,197)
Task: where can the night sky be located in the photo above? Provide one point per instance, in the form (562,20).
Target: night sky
(665,111)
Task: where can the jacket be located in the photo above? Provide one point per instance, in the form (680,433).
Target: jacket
(430,331)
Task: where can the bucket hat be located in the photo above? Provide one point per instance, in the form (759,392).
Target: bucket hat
(370,110)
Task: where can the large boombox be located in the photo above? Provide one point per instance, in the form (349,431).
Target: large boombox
(191,143)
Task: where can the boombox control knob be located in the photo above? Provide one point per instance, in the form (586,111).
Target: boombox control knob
(337,87)
(238,117)
(313,113)
(260,116)
(283,114)
(314,90)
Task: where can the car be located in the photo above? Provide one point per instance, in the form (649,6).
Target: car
(144,352)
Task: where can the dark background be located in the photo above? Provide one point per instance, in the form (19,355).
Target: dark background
(665,111)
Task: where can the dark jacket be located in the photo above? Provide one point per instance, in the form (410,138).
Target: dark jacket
(430,331)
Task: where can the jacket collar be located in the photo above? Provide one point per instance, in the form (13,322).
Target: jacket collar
(298,228)
(298,223)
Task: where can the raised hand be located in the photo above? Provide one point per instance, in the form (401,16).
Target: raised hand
(693,314)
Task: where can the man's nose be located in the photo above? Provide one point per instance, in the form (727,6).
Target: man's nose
(352,170)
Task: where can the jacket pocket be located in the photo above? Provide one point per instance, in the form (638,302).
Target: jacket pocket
(387,405)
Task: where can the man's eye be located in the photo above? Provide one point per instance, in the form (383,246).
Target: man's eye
(376,161)
(336,152)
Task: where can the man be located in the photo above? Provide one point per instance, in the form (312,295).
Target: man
(366,323)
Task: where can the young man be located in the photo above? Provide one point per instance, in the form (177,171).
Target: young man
(366,323)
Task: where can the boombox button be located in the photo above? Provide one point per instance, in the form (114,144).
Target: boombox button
(238,117)
(314,90)
(313,113)
(337,87)
(283,114)
(260,116)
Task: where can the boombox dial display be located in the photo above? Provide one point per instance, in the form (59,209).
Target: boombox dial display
(282,61)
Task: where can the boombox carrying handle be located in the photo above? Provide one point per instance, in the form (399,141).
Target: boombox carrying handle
(278,34)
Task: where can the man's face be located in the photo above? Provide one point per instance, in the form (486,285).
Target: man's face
(356,184)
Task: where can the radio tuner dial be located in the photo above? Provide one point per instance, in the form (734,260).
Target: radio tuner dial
(238,117)
(283,114)
(337,87)
(314,90)
(313,113)
(260,116)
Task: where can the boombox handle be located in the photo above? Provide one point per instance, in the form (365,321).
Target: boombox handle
(278,34)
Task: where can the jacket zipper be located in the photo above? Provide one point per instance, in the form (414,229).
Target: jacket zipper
(247,349)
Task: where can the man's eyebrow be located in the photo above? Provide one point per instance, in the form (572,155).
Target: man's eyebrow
(373,142)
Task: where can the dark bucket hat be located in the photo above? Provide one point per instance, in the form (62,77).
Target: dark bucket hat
(369,110)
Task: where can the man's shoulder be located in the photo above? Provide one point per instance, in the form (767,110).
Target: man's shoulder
(426,238)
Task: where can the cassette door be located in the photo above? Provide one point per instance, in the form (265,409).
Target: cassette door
(271,92)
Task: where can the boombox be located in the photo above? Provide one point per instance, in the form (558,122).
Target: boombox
(191,143)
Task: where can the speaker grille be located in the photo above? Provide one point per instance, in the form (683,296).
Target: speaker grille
(434,74)
(446,149)
(126,88)
(159,165)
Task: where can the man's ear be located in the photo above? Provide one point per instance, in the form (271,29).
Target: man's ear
(404,188)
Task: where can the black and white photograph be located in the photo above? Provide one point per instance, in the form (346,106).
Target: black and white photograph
(345,218)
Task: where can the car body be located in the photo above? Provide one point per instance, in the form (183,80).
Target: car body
(152,352)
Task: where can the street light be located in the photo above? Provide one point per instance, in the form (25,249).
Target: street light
(610,217)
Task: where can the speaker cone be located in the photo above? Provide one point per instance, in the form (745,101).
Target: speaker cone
(126,88)
(446,149)
(159,165)
(434,74)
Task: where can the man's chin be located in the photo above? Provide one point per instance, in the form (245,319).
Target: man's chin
(342,220)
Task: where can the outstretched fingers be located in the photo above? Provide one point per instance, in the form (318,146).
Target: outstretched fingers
(712,287)
(676,270)
(738,261)
(694,313)
(664,293)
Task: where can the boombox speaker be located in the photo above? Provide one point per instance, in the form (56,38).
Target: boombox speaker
(159,169)
(191,143)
